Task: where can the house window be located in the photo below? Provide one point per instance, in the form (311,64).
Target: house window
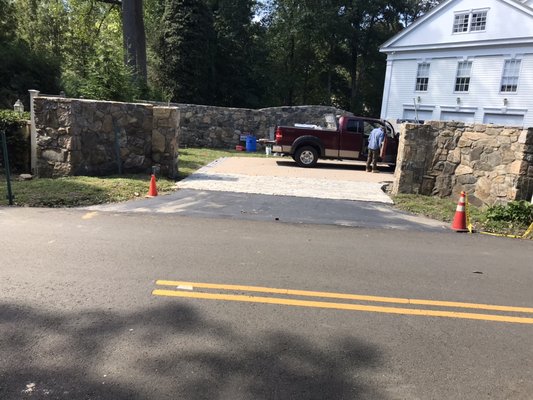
(422,77)
(479,21)
(460,23)
(472,21)
(511,70)
(462,80)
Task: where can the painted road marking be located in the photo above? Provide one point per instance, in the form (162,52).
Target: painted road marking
(90,215)
(343,306)
(345,296)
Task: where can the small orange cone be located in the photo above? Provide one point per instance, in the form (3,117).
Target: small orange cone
(459,220)
(153,189)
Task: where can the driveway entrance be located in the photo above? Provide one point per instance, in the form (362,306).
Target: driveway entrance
(241,188)
(339,180)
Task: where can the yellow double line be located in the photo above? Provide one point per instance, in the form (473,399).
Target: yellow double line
(186,289)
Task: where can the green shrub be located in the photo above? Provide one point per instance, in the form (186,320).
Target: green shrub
(520,212)
(18,146)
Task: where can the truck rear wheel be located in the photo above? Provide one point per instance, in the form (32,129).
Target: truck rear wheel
(306,156)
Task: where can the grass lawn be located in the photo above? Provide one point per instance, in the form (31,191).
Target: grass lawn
(444,210)
(76,191)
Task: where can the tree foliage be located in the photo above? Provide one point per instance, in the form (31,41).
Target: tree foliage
(185,51)
(327,51)
(237,81)
(237,53)
(11,123)
(22,66)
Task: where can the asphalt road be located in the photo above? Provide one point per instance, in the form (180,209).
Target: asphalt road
(79,318)
(260,207)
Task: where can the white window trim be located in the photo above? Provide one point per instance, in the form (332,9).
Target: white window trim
(465,109)
(469,76)
(518,79)
(504,110)
(425,107)
(416,79)
(453,24)
(469,13)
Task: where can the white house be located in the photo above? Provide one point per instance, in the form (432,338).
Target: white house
(465,60)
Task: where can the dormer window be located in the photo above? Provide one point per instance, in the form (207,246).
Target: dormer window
(470,21)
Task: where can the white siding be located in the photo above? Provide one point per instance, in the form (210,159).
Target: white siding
(508,34)
(502,22)
(483,97)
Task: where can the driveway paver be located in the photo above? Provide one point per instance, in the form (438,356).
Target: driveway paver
(282,177)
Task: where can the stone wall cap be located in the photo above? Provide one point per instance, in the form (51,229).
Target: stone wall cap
(95,101)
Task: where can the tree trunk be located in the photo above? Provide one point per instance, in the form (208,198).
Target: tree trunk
(134,37)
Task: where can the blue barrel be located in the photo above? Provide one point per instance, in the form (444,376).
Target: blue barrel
(251,143)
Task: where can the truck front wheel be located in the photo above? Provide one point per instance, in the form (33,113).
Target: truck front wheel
(306,156)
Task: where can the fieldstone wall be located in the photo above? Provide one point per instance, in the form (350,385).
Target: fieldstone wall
(87,137)
(82,137)
(219,127)
(492,164)
(165,134)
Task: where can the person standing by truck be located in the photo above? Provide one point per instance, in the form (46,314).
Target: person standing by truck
(375,141)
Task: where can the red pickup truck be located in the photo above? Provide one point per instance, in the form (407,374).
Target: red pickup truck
(345,138)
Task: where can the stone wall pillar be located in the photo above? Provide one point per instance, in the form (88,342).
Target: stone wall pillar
(524,187)
(54,142)
(165,139)
(415,154)
(492,164)
(33,133)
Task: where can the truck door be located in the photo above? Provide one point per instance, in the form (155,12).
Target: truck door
(390,143)
(389,151)
(351,139)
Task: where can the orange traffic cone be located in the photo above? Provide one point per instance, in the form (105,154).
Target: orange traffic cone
(459,220)
(153,189)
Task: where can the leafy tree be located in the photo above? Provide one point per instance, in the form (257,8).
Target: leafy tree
(134,38)
(185,52)
(327,51)
(289,42)
(94,64)
(241,53)
(236,54)
(43,24)
(79,35)
(22,67)
(18,147)
(153,12)
(8,25)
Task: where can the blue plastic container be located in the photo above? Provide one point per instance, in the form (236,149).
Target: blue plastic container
(251,143)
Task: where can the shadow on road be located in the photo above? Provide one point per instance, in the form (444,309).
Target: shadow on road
(170,351)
